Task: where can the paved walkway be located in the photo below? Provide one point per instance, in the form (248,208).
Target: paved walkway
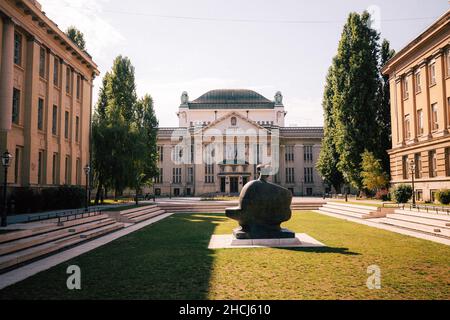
(19,274)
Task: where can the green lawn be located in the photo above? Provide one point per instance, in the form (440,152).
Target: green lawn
(170,260)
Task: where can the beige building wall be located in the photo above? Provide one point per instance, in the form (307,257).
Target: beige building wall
(45,152)
(419,78)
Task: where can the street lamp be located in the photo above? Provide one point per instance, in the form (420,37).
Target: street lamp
(412,168)
(323,183)
(6,162)
(87,170)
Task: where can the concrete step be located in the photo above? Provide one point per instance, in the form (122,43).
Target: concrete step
(25,243)
(141,212)
(147,216)
(342,212)
(11,236)
(349,205)
(421,214)
(436,231)
(362,211)
(132,210)
(421,220)
(20,257)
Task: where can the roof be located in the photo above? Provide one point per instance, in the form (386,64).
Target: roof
(416,43)
(231,99)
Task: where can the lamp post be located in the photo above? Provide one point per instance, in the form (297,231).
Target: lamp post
(412,168)
(6,162)
(323,183)
(87,170)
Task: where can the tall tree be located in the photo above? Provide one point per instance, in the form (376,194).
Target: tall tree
(355,95)
(76,36)
(124,131)
(383,114)
(329,157)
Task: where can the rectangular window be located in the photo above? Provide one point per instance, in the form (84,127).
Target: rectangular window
(78,171)
(419,195)
(176,175)
(56,71)
(405,167)
(418,84)
(16,106)
(290,175)
(17,165)
(160,153)
(42,68)
(432,70)
(159,178)
(78,86)
(289,155)
(40,166)
(190,175)
(68,80)
(55,120)
(77,128)
(420,122)
(405,88)
(18,49)
(434,117)
(66,125)
(40,115)
(418,163)
(67,168)
(447,161)
(55,168)
(308,153)
(308,175)
(432,164)
(407,127)
(209,173)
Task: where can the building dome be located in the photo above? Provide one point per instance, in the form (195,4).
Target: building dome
(231,99)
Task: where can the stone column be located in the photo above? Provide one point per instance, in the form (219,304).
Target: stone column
(6,75)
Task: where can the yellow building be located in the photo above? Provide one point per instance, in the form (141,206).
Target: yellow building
(419,78)
(45,98)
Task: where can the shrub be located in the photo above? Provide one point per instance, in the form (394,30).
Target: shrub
(402,193)
(383,195)
(443,196)
(53,198)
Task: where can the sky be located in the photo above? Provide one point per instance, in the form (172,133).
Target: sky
(201,45)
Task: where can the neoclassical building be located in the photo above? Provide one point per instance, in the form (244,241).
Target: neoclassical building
(46,86)
(224,134)
(419,78)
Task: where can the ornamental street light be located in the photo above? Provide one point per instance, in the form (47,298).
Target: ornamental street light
(87,170)
(6,162)
(412,168)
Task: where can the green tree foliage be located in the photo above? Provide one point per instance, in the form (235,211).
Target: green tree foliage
(402,193)
(354,90)
(124,132)
(328,158)
(383,112)
(77,37)
(372,174)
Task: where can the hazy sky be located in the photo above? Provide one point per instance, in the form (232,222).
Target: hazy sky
(200,45)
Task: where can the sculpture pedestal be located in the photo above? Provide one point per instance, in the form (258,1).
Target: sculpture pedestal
(301,240)
(261,232)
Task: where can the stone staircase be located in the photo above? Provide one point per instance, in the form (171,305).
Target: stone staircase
(140,214)
(42,239)
(349,210)
(428,223)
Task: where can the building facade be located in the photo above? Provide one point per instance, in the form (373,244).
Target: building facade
(45,98)
(224,134)
(419,78)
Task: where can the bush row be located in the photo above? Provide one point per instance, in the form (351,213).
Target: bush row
(26,199)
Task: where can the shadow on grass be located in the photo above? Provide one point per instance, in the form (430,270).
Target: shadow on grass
(323,250)
(166,260)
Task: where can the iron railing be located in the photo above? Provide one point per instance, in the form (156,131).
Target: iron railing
(66,215)
(420,208)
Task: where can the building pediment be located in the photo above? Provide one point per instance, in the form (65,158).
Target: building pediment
(231,123)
